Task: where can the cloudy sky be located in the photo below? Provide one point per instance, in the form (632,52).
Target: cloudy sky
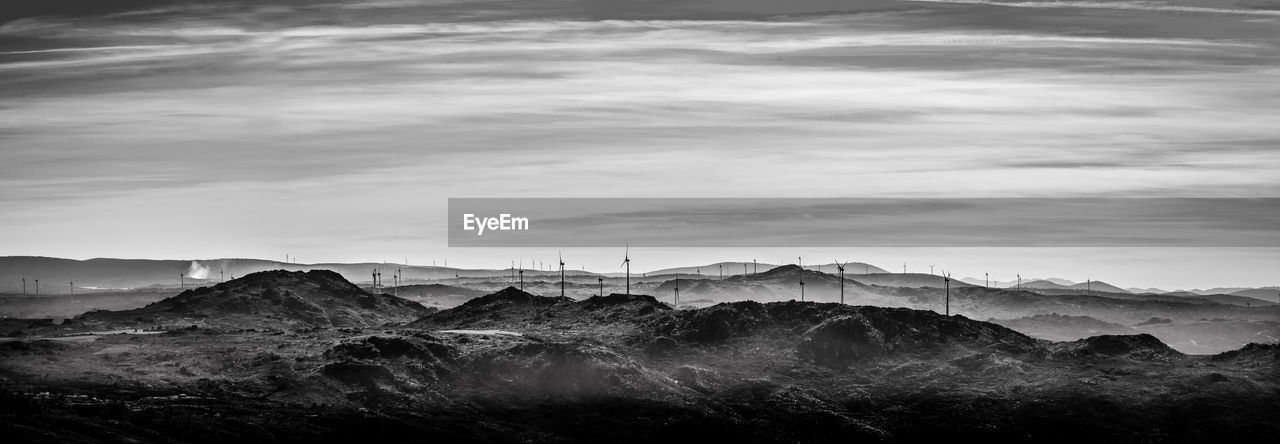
(336,131)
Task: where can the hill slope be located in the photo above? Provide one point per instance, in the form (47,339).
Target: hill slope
(269,299)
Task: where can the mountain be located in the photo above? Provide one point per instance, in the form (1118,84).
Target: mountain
(740,268)
(994,283)
(1269,294)
(268,299)
(1140,347)
(1219,290)
(1097,286)
(833,334)
(911,280)
(777,284)
(105,273)
(628,368)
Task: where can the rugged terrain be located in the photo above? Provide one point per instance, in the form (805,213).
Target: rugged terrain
(236,362)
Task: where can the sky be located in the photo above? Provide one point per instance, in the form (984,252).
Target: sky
(336,131)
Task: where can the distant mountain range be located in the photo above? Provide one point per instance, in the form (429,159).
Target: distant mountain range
(56,274)
(740,268)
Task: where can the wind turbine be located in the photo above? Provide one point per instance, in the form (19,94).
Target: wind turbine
(626,260)
(561,274)
(24,285)
(601,279)
(930,269)
(182,280)
(1019,281)
(986,280)
(37,288)
(840,268)
(722,271)
(755,267)
(946,283)
(904,268)
(222,275)
(802,290)
(677,299)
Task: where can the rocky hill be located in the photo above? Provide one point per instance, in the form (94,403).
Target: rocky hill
(268,299)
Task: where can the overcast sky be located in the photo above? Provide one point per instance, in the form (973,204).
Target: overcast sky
(336,132)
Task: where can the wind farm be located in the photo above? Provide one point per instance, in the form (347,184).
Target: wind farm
(438,329)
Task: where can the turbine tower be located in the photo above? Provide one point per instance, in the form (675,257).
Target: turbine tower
(1019,281)
(755,267)
(182,280)
(946,283)
(801,289)
(626,260)
(840,268)
(601,279)
(930,269)
(24,285)
(561,274)
(722,271)
(677,299)
(37,288)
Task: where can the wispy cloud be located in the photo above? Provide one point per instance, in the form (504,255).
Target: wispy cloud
(120,115)
(1122,5)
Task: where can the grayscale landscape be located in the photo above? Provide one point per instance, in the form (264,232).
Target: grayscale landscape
(738,221)
(297,352)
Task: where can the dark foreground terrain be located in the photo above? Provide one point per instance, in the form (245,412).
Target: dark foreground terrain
(293,356)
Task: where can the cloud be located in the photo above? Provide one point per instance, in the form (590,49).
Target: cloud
(1122,5)
(253,118)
